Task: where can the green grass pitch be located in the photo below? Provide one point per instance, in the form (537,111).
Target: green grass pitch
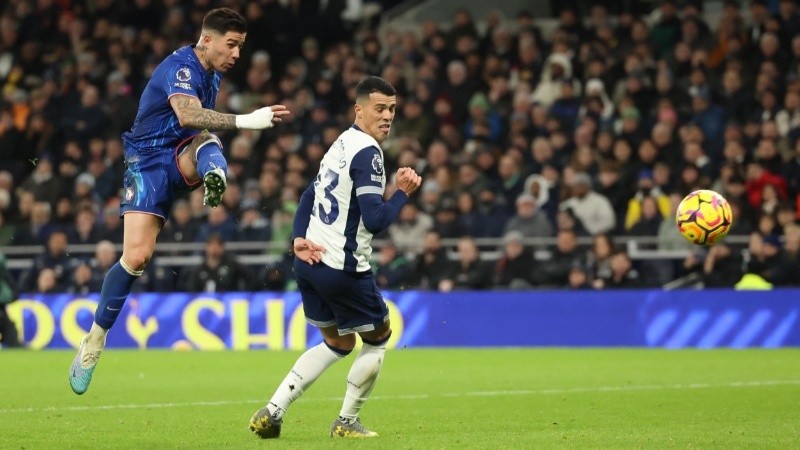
(425,399)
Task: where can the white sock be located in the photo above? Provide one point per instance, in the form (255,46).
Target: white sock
(97,338)
(361,379)
(309,366)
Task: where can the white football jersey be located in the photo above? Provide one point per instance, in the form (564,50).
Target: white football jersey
(352,166)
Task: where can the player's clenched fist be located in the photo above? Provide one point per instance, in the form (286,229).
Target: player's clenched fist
(407,180)
(261,118)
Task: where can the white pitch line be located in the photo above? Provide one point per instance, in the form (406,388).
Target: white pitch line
(647,387)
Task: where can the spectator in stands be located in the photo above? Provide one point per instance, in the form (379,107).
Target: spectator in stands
(432,265)
(43,183)
(180,227)
(579,278)
(722,266)
(650,220)
(219,222)
(111,229)
(646,189)
(469,272)
(47,282)
(394,271)
(770,261)
(529,221)
(623,275)
(592,209)
(85,230)
(253,226)
(408,231)
(555,271)
(492,212)
(105,255)
(54,258)
(219,271)
(39,228)
(81,280)
(598,258)
(514,268)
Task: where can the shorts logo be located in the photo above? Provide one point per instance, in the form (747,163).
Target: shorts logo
(184,74)
(377,164)
(128,194)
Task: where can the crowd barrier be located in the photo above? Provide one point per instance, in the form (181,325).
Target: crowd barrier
(242,321)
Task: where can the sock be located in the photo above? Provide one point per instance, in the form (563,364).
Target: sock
(309,366)
(116,287)
(362,377)
(97,338)
(209,157)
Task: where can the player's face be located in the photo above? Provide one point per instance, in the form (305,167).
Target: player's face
(376,114)
(222,50)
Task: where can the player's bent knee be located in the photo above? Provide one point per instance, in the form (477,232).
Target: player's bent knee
(346,343)
(378,336)
(135,261)
(202,139)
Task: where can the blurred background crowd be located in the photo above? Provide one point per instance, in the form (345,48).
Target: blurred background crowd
(551,143)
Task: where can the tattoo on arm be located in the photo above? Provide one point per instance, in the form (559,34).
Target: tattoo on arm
(191,114)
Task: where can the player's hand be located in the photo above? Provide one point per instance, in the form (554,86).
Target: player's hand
(308,251)
(261,118)
(408,181)
(278,112)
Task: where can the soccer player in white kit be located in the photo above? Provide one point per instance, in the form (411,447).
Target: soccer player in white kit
(337,216)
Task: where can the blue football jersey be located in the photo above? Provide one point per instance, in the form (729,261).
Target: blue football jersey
(156,126)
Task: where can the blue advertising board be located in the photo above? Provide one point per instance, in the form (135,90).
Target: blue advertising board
(241,321)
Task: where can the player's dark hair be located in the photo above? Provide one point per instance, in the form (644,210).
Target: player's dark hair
(373,84)
(223,20)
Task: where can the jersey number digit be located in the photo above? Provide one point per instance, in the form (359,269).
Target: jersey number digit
(329,181)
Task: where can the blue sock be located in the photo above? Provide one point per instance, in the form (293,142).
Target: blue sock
(209,157)
(116,287)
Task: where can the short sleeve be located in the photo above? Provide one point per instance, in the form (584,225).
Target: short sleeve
(367,171)
(183,80)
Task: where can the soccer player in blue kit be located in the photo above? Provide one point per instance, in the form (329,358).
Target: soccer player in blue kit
(338,215)
(169,149)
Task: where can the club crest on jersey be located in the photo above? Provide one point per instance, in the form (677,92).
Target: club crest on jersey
(128,194)
(377,164)
(184,74)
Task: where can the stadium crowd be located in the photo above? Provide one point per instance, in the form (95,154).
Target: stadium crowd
(596,128)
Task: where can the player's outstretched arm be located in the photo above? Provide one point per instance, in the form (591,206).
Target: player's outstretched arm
(191,114)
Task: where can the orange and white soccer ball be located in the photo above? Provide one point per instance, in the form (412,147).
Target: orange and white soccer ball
(704,217)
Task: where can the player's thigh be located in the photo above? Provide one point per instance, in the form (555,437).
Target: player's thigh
(148,185)
(315,308)
(140,231)
(360,307)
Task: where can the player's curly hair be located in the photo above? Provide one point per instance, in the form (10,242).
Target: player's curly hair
(223,20)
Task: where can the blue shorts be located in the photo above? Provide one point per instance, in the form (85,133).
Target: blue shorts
(151,180)
(351,301)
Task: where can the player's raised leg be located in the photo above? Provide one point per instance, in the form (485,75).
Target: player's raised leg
(360,383)
(203,156)
(267,421)
(139,241)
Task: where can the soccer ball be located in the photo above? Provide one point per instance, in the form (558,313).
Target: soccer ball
(704,217)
